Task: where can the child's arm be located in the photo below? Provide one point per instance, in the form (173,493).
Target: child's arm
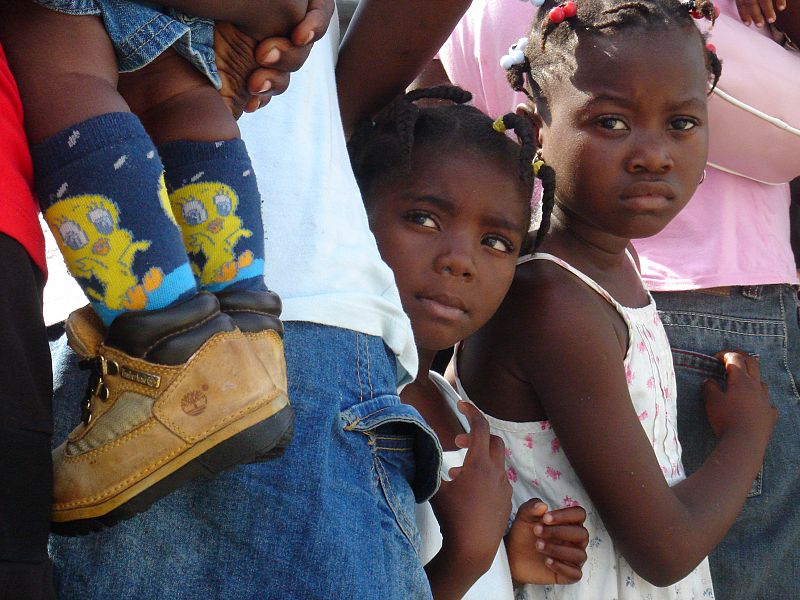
(547,547)
(560,339)
(472,511)
(386,46)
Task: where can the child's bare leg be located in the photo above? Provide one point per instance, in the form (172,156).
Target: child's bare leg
(64,66)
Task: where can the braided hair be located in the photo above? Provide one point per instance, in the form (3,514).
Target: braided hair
(550,53)
(384,147)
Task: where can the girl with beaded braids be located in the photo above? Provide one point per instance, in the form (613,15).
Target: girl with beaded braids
(618,99)
(448,199)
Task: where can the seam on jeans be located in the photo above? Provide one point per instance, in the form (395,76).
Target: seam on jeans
(399,514)
(369,367)
(671,313)
(358,370)
(387,449)
(786,350)
(760,335)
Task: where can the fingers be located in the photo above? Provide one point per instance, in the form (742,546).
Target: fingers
(742,362)
(280,54)
(768,10)
(314,24)
(263,84)
(532,511)
(479,437)
(565,572)
(574,515)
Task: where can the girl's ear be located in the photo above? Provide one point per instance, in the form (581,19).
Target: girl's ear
(534,118)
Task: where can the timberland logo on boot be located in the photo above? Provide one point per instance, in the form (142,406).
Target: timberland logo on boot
(194,402)
(147,379)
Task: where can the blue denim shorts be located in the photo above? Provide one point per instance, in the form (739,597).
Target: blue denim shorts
(760,556)
(333,518)
(140,33)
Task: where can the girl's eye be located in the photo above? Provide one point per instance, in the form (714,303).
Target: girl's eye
(612,123)
(683,124)
(422,219)
(498,243)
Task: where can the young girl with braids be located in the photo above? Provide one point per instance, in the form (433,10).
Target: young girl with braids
(586,402)
(449,216)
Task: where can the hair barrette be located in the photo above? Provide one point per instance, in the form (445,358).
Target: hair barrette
(696,14)
(516,54)
(565,10)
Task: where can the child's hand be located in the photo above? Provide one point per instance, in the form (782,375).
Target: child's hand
(253,72)
(744,406)
(473,508)
(547,547)
(759,11)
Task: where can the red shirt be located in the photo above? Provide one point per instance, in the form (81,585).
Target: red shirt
(18,208)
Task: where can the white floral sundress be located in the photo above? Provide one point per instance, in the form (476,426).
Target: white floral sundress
(537,467)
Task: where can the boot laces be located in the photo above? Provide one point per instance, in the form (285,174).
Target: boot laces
(98,367)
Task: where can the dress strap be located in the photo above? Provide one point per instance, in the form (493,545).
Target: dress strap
(582,276)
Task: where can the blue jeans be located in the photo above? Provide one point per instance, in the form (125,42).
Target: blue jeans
(332,518)
(760,556)
(141,32)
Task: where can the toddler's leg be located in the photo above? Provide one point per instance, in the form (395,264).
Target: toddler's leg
(211,184)
(176,391)
(98,174)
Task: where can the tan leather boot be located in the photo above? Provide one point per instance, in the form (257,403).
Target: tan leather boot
(175,394)
(256,315)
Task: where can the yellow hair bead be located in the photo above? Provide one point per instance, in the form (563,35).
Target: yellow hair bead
(499,125)
(537,166)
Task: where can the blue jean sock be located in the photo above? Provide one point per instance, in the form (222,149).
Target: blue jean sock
(101,189)
(216,203)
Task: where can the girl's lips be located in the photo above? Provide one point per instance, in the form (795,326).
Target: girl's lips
(447,307)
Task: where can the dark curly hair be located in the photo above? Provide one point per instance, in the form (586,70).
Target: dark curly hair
(550,53)
(383,147)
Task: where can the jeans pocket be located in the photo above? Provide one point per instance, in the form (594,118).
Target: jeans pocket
(406,456)
(696,436)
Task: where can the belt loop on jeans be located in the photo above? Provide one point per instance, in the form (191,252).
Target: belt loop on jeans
(752,291)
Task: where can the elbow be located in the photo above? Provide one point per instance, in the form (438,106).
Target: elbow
(665,565)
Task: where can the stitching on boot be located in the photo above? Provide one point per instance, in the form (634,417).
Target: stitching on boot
(180,331)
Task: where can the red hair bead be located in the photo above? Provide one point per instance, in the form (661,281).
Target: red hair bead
(696,14)
(570,9)
(556,14)
(711,48)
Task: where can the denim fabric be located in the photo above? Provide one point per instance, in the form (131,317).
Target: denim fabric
(140,32)
(760,556)
(333,518)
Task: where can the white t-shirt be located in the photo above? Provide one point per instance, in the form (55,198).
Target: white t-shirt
(321,257)
(496,583)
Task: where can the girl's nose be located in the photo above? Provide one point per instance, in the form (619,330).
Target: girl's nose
(456,261)
(650,154)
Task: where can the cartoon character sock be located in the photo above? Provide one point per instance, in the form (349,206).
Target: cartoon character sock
(216,202)
(101,189)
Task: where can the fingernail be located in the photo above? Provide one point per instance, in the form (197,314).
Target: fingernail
(538,529)
(548,561)
(539,544)
(308,39)
(771,19)
(548,518)
(272,56)
(266,87)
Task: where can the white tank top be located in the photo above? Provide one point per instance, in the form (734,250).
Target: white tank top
(538,468)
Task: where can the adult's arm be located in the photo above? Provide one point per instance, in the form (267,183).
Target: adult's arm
(387,44)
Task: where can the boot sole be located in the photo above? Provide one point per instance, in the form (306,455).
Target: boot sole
(265,440)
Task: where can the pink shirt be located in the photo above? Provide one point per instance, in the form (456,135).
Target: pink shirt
(734,231)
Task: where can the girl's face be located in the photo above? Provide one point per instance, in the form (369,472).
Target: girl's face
(451,232)
(628,135)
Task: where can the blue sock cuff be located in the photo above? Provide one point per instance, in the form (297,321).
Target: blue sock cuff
(190,153)
(92,135)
